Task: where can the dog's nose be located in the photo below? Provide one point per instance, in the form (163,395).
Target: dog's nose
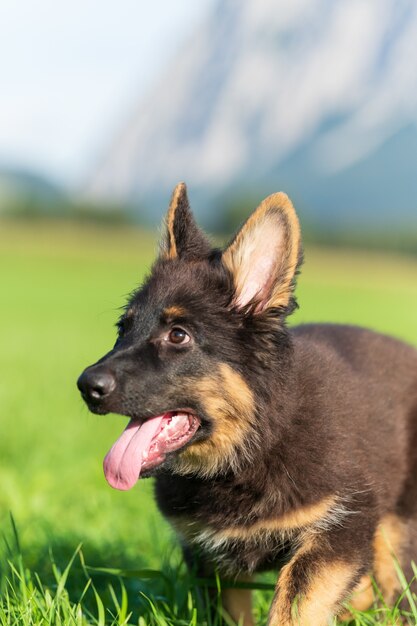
(96,383)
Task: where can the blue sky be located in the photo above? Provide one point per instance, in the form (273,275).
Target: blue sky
(71,72)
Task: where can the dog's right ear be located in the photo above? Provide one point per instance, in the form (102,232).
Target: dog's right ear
(264,256)
(182,238)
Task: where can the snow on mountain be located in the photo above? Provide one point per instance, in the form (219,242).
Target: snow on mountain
(268,93)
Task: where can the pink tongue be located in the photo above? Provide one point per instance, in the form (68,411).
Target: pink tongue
(123,462)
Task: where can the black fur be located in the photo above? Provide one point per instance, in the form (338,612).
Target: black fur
(334,420)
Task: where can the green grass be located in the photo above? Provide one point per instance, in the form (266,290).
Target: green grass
(61,287)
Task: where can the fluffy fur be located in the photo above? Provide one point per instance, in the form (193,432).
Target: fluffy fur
(306,456)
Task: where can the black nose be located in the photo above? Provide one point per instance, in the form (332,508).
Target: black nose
(96,383)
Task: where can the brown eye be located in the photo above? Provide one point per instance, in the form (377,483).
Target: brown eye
(178,335)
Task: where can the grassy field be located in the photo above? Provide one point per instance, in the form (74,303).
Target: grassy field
(61,288)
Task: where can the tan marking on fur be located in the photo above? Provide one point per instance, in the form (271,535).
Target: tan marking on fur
(238,257)
(178,192)
(389,540)
(226,397)
(282,601)
(299,518)
(317,606)
(362,598)
(325,593)
(388,544)
(238,603)
(268,536)
(265,532)
(174,311)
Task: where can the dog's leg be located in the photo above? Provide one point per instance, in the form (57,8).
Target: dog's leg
(324,571)
(238,603)
(362,598)
(390,543)
(391,537)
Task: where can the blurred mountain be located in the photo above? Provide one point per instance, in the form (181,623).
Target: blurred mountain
(315,97)
(26,192)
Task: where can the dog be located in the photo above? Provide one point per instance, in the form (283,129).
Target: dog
(272,447)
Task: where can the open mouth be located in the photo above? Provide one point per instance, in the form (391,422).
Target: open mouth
(144,445)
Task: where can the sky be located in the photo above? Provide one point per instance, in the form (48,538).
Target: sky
(71,71)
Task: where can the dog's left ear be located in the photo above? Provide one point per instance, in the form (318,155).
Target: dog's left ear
(183,238)
(264,256)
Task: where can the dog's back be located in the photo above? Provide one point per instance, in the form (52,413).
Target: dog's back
(365,384)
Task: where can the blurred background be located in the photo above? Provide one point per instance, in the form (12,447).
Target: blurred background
(104,107)
(104,110)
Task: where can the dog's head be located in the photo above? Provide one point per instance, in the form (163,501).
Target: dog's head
(196,344)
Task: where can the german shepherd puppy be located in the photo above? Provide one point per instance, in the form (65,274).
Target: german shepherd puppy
(271,447)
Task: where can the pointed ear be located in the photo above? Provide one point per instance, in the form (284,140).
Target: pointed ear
(265,254)
(183,238)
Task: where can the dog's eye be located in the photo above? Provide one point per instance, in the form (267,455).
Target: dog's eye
(123,325)
(178,335)
(120,325)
